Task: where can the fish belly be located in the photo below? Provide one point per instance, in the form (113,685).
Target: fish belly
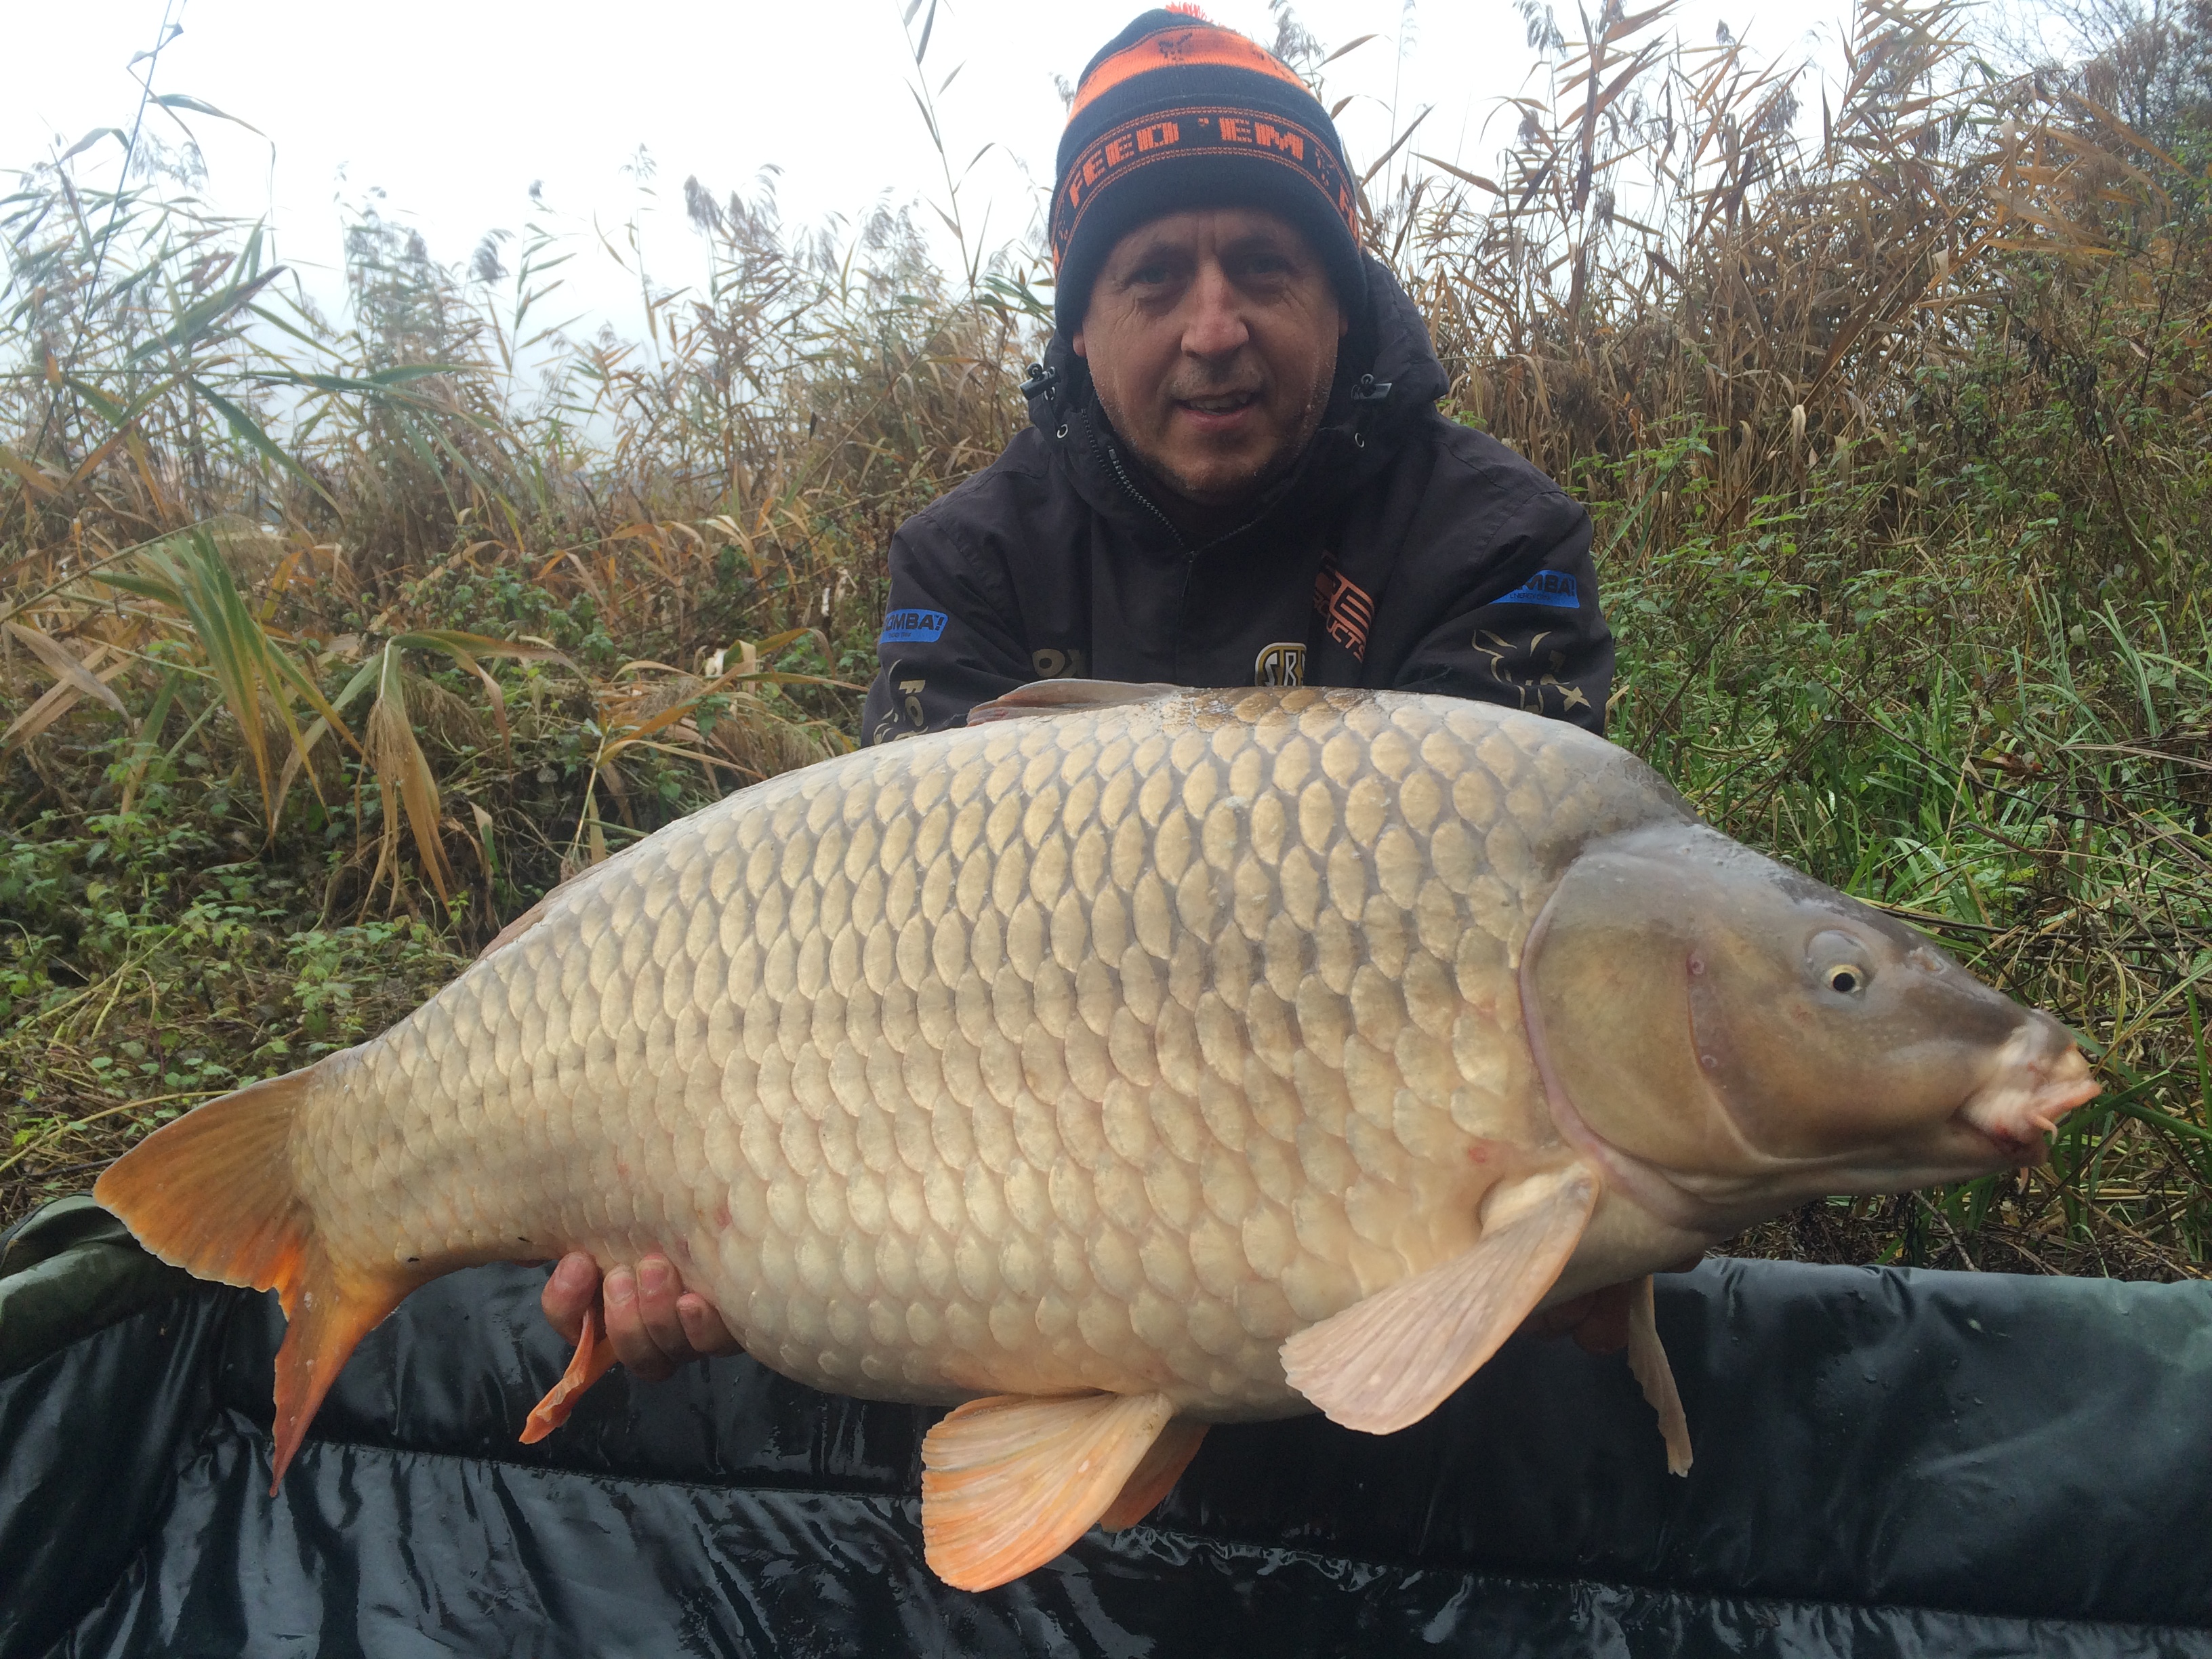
(1104,1049)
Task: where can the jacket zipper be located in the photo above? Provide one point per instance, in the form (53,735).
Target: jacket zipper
(1113,459)
(1121,477)
(1189,553)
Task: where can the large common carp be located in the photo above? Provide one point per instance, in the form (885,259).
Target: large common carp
(1131,1060)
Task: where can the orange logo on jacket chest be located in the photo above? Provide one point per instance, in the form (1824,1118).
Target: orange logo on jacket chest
(1344,608)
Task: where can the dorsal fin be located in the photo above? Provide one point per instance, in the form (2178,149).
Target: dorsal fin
(1064,696)
(521,925)
(537,912)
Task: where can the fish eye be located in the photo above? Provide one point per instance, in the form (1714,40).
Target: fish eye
(1838,962)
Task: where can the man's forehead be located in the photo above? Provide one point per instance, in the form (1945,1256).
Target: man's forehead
(1231,228)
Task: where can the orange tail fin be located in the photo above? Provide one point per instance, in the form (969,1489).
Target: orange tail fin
(212,1193)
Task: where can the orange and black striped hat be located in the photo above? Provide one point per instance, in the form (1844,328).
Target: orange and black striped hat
(1178,113)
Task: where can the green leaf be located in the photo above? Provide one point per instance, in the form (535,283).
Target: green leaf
(246,664)
(198,321)
(94,137)
(400,373)
(105,406)
(146,588)
(248,428)
(176,101)
(117,414)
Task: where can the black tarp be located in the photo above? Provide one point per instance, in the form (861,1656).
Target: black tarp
(1888,1462)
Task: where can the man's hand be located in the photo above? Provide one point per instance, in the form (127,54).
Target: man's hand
(655,1325)
(1598,1319)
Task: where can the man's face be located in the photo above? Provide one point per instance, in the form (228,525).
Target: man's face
(1212,339)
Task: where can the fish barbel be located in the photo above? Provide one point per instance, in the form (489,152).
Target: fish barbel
(1133,1059)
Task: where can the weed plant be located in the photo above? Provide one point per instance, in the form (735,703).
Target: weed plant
(327,645)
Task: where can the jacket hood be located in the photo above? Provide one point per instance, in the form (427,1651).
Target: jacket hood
(1388,377)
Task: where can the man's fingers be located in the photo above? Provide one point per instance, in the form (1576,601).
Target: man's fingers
(569,1291)
(1604,1329)
(654,1323)
(1558,1322)
(626,1327)
(703,1325)
(658,1287)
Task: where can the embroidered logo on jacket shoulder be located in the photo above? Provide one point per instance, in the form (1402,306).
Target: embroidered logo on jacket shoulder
(912,627)
(1552,588)
(1344,608)
(1283,663)
(1516,665)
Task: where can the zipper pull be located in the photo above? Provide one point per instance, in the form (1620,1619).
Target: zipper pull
(1369,397)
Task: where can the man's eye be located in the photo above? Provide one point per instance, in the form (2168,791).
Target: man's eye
(1151,276)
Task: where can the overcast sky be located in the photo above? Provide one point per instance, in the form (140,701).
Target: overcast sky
(453,108)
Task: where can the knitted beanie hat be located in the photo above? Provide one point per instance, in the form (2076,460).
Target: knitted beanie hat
(1177,113)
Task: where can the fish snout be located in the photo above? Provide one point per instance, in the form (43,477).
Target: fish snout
(2038,1076)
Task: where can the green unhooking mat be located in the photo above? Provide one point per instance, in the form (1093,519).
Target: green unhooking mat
(1888,1462)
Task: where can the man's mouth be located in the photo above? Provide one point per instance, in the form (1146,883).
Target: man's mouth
(1221,406)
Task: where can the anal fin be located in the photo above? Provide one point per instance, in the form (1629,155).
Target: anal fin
(1009,1482)
(1155,1475)
(1391,1359)
(1647,1363)
(593,1359)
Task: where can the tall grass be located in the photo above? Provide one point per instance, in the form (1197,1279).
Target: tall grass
(330,644)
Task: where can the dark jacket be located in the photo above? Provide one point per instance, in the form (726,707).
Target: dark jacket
(1402,551)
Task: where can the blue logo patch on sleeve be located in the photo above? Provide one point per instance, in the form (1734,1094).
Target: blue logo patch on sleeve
(1552,588)
(911,628)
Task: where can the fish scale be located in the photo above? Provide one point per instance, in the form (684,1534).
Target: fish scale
(1103,1051)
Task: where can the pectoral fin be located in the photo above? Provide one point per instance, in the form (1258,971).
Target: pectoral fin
(1647,1362)
(1009,1482)
(1391,1359)
(593,1359)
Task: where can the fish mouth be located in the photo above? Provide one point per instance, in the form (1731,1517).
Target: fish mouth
(2033,1083)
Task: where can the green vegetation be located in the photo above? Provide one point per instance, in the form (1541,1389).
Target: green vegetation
(329,646)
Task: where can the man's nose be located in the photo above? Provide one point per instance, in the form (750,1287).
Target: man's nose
(1215,326)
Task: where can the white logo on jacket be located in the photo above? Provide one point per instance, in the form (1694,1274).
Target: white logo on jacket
(1283,663)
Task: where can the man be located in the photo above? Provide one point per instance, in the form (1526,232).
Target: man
(1235,474)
